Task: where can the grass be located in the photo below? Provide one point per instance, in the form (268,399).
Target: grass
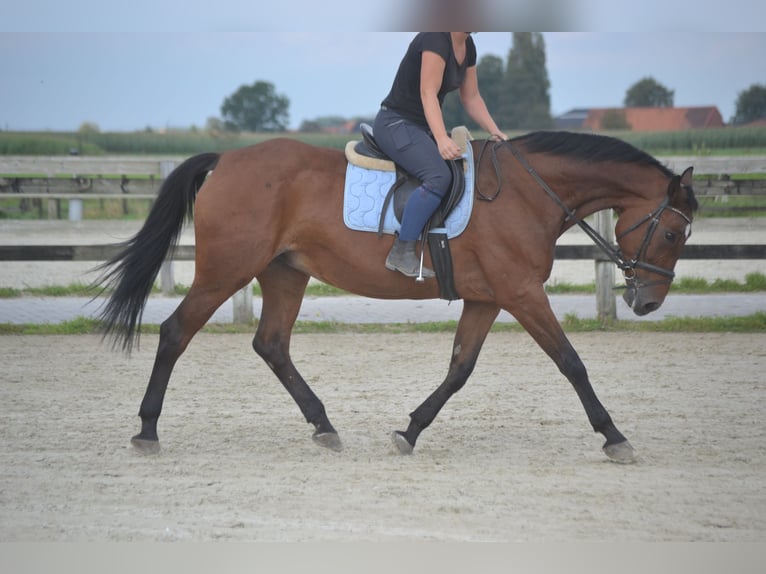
(731,206)
(755,323)
(111,209)
(712,141)
(754,282)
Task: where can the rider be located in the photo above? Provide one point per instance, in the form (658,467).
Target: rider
(410,128)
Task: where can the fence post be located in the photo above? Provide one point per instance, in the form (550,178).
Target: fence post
(243,304)
(75,210)
(54,208)
(606,301)
(167,281)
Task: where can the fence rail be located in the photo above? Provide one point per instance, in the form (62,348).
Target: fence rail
(186,252)
(243,300)
(76,179)
(79,178)
(57,166)
(56,178)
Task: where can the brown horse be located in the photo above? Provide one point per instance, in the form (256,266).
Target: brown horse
(273,212)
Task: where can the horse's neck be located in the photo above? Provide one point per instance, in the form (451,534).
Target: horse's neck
(595,188)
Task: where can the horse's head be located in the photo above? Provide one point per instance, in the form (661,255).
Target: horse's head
(651,244)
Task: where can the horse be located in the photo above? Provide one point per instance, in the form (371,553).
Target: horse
(272,212)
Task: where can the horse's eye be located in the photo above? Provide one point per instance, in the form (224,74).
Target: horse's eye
(670,236)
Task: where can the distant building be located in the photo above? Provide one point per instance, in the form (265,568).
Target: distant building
(572,120)
(642,119)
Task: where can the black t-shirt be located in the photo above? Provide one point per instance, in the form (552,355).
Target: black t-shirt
(404,96)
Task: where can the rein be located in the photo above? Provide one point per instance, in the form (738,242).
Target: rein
(627,266)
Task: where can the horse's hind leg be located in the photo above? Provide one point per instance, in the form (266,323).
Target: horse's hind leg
(475,322)
(175,334)
(282,289)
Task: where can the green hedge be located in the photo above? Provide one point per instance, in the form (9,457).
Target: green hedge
(700,142)
(693,142)
(34,143)
(143,143)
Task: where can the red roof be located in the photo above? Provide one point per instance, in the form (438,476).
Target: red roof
(659,119)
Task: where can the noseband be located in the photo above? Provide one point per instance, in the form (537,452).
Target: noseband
(627,266)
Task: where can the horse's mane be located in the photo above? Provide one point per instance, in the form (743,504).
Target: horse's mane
(587,147)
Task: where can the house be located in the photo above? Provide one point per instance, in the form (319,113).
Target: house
(641,119)
(572,120)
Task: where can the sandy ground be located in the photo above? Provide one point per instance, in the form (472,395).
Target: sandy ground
(511,458)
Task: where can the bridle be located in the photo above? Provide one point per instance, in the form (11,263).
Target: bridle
(628,266)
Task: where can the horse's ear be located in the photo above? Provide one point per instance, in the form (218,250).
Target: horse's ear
(686,176)
(680,190)
(674,186)
(677,182)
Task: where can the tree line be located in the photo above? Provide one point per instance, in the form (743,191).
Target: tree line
(517,93)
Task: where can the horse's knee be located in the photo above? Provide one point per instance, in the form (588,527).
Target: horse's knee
(458,376)
(270,350)
(572,367)
(171,342)
(460,369)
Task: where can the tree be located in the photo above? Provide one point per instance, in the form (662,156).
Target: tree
(454,114)
(214,125)
(490,73)
(648,93)
(256,108)
(751,105)
(88,128)
(310,126)
(524,101)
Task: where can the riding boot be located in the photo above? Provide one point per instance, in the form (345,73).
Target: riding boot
(402,258)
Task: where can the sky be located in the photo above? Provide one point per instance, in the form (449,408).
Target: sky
(156,66)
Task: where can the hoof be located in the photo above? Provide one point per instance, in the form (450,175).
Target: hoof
(329,440)
(145,446)
(401,443)
(620,452)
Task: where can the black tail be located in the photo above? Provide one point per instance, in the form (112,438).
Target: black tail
(133,271)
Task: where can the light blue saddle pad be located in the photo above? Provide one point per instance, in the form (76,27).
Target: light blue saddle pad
(366,189)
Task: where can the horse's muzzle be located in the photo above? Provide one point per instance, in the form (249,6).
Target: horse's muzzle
(640,300)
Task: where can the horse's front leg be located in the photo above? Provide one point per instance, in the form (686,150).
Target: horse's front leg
(475,322)
(536,316)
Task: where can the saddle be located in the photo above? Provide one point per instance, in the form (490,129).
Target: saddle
(367,154)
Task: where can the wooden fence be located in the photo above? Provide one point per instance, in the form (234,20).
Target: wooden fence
(606,303)
(74,178)
(78,178)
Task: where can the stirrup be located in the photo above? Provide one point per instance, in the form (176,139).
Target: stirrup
(420,278)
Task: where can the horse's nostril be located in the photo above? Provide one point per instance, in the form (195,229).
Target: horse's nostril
(649,307)
(646,308)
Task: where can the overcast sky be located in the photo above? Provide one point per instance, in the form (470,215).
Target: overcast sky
(58,71)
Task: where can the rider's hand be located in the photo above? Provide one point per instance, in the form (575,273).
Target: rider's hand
(448,148)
